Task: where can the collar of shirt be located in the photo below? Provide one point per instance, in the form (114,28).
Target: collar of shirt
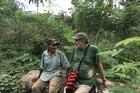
(56,53)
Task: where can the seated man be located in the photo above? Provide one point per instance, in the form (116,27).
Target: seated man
(85,64)
(52,64)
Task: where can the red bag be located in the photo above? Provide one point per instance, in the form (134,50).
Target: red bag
(71,82)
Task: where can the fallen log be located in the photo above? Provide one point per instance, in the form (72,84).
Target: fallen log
(26,82)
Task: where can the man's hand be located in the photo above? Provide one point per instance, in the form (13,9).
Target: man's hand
(34,79)
(107,83)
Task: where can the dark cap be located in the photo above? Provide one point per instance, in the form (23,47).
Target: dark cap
(53,41)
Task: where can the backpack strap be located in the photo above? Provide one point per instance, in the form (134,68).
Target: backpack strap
(72,56)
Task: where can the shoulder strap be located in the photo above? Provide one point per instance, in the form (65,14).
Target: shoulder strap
(83,57)
(71,60)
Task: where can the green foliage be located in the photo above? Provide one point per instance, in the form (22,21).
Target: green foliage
(14,71)
(69,37)
(121,89)
(98,18)
(121,46)
(23,34)
(122,72)
(68,51)
(125,65)
(31,32)
(8,8)
(110,53)
(128,41)
(132,44)
(130,19)
(24,59)
(125,70)
(135,83)
(8,84)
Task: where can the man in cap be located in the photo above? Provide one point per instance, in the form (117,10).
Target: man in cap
(52,64)
(86,55)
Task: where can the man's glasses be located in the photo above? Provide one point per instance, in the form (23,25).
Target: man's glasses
(78,39)
(54,44)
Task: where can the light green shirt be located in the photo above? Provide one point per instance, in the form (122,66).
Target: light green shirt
(53,65)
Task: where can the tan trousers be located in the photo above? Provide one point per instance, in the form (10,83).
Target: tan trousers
(82,89)
(54,85)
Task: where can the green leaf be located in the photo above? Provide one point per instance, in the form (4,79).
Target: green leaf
(69,37)
(110,53)
(106,53)
(127,41)
(116,52)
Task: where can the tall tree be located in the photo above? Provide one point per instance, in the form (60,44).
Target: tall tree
(37,2)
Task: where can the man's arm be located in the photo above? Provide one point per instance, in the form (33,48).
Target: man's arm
(38,76)
(68,69)
(101,72)
(40,71)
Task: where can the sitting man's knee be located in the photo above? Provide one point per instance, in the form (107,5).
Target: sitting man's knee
(35,88)
(52,89)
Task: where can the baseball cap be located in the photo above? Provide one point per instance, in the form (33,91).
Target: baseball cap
(53,42)
(82,36)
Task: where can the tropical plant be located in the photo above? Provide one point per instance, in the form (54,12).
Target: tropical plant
(121,89)
(125,70)
(37,2)
(126,67)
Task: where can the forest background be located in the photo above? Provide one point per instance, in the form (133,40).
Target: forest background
(23,37)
